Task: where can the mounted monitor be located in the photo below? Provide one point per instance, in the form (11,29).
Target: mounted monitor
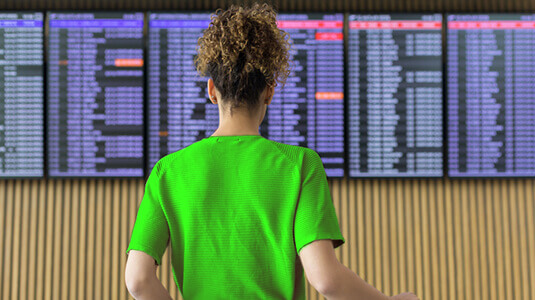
(395,95)
(308,112)
(95,94)
(491,92)
(21,95)
(179,112)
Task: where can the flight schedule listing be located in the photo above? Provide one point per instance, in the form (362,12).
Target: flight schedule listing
(395,95)
(95,94)
(21,94)
(491,107)
(179,111)
(308,112)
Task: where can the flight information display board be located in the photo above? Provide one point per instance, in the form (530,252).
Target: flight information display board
(395,95)
(21,94)
(308,112)
(179,112)
(491,90)
(95,94)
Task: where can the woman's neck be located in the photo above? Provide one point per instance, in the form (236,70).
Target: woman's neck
(241,123)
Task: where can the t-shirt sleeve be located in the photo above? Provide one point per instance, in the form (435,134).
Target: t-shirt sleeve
(151,231)
(315,217)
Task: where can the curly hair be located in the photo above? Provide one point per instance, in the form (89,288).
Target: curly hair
(243,51)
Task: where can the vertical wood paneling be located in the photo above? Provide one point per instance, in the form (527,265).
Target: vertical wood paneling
(91,245)
(351,239)
(23,244)
(82,239)
(513,194)
(401,233)
(418,255)
(388,237)
(344,213)
(97,246)
(361,244)
(15,270)
(74,237)
(409,234)
(483,203)
(32,236)
(450,256)
(471,202)
(8,231)
(3,243)
(490,243)
(522,231)
(106,245)
(530,224)
(56,236)
(48,223)
(444,239)
(392,273)
(375,253)
(65,235)
(368,242)
(123,234)
(505,204)
(441,289)
(498,233)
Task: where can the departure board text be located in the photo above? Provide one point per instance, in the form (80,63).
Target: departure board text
(95,94)
(491,107)
(395,96)
(21,94)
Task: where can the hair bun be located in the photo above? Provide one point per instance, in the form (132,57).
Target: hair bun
(240,45)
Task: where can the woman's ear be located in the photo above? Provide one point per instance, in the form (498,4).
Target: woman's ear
(211,91)
(270,91)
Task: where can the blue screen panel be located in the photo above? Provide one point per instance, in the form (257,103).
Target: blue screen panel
(21,95)
(395,95)
(95,94)
(491,91)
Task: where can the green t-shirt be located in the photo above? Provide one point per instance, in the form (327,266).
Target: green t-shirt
(236,210)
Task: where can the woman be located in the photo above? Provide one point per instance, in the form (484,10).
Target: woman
(245,216)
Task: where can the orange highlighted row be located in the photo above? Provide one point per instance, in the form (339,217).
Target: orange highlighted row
(329,36)
(329,96)
(163,133)
(128,62)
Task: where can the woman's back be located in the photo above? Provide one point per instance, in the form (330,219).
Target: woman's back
(246,217)
(238,209)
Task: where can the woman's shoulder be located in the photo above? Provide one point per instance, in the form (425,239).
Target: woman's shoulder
(186,152)
(294,152)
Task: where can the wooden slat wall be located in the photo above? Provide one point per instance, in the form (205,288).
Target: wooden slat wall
(443,239)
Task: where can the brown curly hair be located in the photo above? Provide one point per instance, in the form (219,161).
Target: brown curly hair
(243,51)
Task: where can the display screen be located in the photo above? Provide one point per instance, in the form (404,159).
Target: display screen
(395,95)
(491,106)
(21,94)
(95,94)
(308,112)
(179,112)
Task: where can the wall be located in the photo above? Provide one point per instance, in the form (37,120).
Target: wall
(443,239)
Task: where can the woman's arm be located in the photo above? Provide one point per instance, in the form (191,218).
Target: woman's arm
(140,277)
(334,280)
